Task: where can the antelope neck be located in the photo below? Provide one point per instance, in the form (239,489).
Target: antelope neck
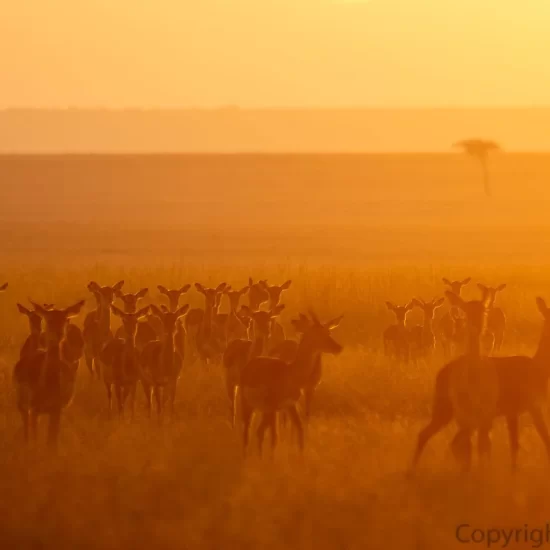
(130,340)
(208,315)
(105,317)
(167,348)
(53,351)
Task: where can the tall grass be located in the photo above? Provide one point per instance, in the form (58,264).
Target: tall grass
(186,485)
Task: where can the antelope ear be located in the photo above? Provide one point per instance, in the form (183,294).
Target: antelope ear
(417,303)
(200,288)
(501,287)
(286,285)
(446,281)
(466,281)
(250,281)
(182,311)
(227,289)
(74,310)
(141,293)
(3,287)
(162,289)
(142,312)
(454,300)
(118,285)
(391,307)
(439,302)
(276,311)
(541,304)
(119,294)
(221,287)
(118,312)
(93,286)
(22,309)
(332,324)
(155,310)
(164,308)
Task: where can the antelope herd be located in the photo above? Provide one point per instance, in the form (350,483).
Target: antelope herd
(264,371)
(474,388)
(267,373)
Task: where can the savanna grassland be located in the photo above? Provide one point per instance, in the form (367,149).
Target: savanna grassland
(351,232)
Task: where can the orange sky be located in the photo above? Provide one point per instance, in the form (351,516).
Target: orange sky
(160,53)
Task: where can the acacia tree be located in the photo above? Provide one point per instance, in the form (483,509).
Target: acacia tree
(479,149)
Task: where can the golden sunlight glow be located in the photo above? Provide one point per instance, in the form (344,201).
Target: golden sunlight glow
(275,52)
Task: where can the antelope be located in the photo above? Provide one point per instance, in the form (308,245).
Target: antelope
(44,382)
(33,342)
(121,362)
(257,295)
(472,386)
(174,297)
(522,387)
(275,292)
(130,301)
(396,337)
(288,349)
(269,385)
(71,347)
(145,330)
(198,325)
(496,322)
(161,362)
(451,325)
(219,322)
(97,325)
(233,324)
(422,336)
(240,351)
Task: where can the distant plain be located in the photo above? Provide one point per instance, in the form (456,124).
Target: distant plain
(351,231)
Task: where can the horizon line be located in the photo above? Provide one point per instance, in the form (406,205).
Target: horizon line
(230,107)
(145,153)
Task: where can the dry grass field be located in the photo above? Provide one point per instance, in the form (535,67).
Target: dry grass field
(388,229)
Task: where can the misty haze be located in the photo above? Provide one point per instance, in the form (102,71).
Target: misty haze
(275,274)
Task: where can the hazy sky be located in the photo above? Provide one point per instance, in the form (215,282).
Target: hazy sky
(164,53)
